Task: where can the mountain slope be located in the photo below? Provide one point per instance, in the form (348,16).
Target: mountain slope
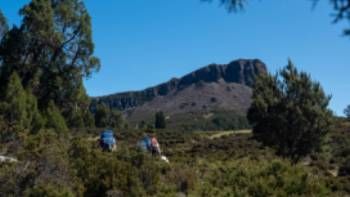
(214,90)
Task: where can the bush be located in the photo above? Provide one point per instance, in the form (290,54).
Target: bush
(245,178)
(44,169)
(344,170)
(128,171)
(48,190)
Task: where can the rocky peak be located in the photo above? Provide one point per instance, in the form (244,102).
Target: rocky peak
(242,71)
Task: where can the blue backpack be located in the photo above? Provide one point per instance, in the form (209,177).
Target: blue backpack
(146,143)
(107,139)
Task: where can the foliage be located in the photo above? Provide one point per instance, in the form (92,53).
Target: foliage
(42,66)
(57,165)
(3,25)
(339,142)
(340,149)
(52,50)
(160,122)
(55,119)
(79,116)
(116,119)
(270,178)
(231,5)
(19,110)
(214,120)
(101,116)
(223,121)
(342,9)
(345,168)
(13,106)
(36,119)
(289,111)
(48,190)
(106,117)
(347,112)
(130,172)
(44,171)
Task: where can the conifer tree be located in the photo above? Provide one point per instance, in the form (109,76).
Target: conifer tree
(36,120)
(106,117)
(116,119)
(54,119)
(160,120)
(13,108)
(3,25)
(289,112)
(19,109)
(101,115)
(79,114)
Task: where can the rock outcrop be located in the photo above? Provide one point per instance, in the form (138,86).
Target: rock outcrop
(241,72)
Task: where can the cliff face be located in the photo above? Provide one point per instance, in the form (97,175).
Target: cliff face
(240,72)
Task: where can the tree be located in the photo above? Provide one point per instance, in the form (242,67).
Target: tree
(13,108)
(116,119)
(79,114)
(54,119)
(101,116)
(52,51)
(3,25)
(160,120)
(347,112)
(19,108)
(289,112)
(106,117)
(37,122)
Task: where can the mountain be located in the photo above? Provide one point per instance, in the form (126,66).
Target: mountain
(197,100)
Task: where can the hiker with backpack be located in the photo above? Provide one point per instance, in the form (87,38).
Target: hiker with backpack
(150,144)
(108,141)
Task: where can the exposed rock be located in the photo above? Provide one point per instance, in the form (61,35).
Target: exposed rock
(240,71)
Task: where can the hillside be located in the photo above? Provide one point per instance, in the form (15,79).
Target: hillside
(213,93)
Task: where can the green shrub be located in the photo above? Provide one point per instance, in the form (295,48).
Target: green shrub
(246,178)
(344,169)
(48,190)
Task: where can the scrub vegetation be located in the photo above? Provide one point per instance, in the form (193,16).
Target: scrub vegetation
(296,146)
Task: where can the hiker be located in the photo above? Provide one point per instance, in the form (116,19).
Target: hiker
(151,144)
(108,141)
(155,146)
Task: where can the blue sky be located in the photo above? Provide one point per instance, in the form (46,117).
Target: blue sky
(144,42)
